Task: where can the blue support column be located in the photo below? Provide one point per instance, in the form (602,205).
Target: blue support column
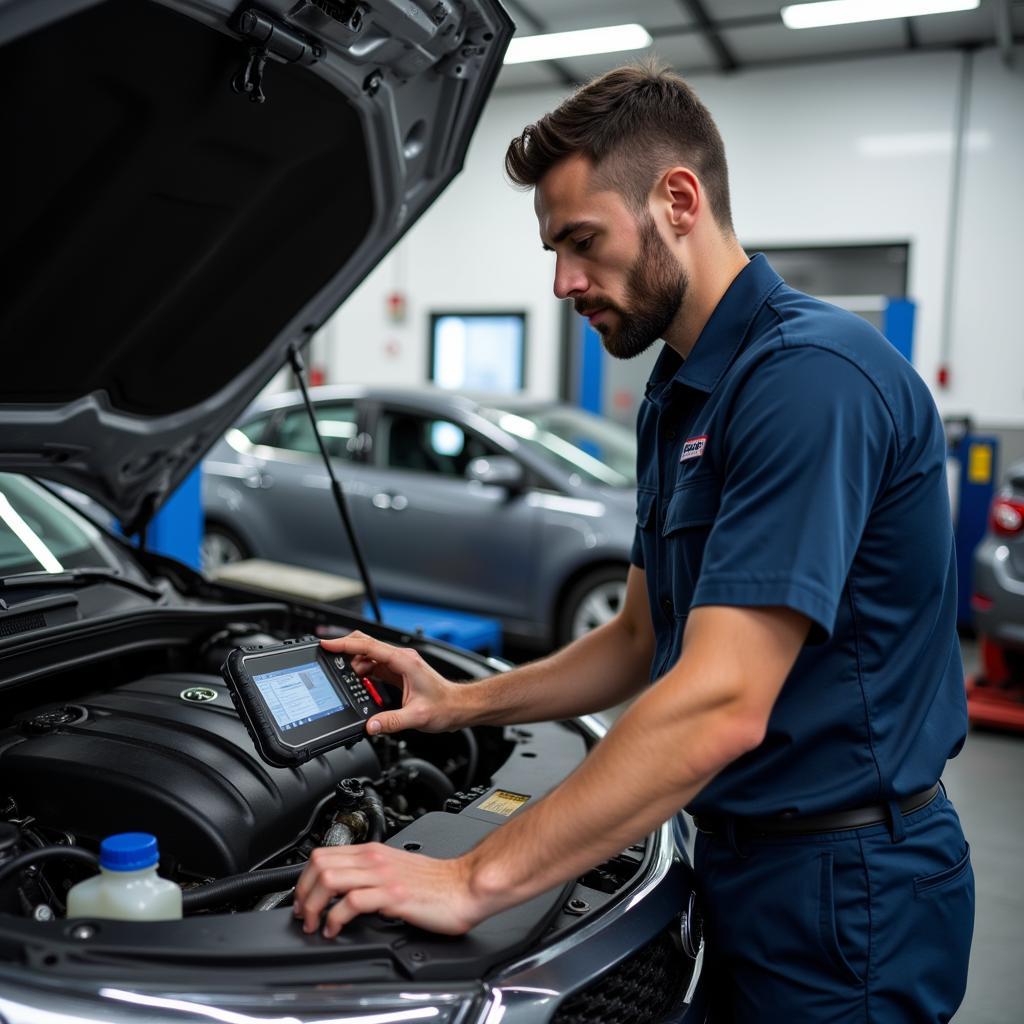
(898,326)
(978,458)
(177,529)
(591,369)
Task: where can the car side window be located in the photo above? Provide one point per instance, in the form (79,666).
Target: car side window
(336,422)
(428,444)
(255,430)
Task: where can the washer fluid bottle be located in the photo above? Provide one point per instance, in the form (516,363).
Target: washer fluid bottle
(127,887)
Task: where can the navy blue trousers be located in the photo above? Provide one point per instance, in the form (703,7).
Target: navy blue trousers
(868,925)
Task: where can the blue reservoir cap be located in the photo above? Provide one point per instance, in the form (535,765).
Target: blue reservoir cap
(129,851)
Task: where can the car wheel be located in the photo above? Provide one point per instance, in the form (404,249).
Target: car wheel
(219,547)
(594,600)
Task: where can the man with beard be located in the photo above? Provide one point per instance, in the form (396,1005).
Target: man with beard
(789,623)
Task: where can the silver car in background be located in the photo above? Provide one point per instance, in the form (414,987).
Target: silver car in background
(516,509)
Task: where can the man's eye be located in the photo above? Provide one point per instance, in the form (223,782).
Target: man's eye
(583,244)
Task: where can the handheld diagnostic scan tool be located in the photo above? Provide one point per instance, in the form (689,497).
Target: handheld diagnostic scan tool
(296,699)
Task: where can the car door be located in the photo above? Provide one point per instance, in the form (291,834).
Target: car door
(437,537)
(294,501)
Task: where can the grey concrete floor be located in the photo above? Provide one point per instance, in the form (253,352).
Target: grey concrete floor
(986,784)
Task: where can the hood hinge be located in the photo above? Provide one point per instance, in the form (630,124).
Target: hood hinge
(269,40)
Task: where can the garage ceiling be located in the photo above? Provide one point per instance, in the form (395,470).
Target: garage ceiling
(725,36)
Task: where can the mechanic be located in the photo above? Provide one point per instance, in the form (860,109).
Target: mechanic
(792,597)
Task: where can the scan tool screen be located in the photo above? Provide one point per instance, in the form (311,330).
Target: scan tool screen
(298,696)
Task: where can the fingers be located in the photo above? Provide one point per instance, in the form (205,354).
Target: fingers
(395,721)
(399,660)
(331,883)
(333,871)
(356,902)
(358,643)
(425,891)
(365,666)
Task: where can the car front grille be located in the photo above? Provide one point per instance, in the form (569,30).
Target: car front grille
(639,990)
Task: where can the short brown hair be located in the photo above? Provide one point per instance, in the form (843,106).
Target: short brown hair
(632,123)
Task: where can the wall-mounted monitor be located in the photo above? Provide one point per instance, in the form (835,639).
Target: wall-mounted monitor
(478,351)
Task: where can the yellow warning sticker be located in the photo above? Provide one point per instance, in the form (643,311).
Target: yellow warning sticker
(979,464)
(503,803)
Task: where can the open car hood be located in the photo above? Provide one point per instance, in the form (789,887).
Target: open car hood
(166,238)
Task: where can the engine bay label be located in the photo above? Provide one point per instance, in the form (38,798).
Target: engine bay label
(502,802)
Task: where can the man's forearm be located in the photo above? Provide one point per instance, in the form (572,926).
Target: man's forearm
(657,757)
(603,668)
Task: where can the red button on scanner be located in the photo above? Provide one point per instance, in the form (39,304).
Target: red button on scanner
(373,692)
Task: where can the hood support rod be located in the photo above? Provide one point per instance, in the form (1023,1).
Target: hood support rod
(339,495)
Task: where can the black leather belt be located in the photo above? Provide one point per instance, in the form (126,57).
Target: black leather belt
(810,824)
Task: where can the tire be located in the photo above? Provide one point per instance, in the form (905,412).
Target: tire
(592,600)
(220,546)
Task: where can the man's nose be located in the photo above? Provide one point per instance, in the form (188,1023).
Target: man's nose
(569,279)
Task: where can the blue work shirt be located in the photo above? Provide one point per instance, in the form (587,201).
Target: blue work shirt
(796,459)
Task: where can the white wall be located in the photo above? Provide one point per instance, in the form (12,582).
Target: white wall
(848,152)
(988,303)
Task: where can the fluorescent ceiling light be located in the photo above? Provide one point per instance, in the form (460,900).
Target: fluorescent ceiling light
(846,12)
(577,44)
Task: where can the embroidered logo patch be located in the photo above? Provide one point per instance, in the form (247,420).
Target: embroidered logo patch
(693,448)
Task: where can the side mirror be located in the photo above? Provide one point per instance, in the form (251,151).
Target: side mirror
(497,471)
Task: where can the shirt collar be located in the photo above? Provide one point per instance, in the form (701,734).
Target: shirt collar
(723,334)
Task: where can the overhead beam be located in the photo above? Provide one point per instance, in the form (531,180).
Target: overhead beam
(535,24)
(747,21)
(1004,30)
(709,31)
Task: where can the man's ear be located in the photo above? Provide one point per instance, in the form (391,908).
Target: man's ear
(679,196)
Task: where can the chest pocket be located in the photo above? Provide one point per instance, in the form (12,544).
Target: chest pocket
(690,512)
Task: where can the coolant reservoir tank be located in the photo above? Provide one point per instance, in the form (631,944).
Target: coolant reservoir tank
(127,887)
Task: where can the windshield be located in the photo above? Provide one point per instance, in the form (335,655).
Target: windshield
(38,532)
(591,448)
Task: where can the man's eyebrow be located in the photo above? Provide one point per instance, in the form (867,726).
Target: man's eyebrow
(566,231)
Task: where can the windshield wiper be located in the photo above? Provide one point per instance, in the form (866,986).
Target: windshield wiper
(78,578)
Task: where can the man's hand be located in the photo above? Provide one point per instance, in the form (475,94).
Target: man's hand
(373,878)
(429,701)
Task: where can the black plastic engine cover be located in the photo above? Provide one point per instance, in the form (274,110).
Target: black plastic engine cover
(144,758)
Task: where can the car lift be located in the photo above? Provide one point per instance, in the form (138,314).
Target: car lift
(994,698)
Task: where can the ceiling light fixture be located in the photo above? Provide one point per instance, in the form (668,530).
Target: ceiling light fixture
(846,12)
(554,45)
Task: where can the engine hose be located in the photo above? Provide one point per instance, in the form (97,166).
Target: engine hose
(373,808)
(430,775)
(337,835)
(43,853)
(252,883)
(472,756)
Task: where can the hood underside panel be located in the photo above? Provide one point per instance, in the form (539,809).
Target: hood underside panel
(164,229)
(166,239)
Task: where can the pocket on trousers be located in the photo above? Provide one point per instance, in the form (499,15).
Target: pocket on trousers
(941,881)
(827,925)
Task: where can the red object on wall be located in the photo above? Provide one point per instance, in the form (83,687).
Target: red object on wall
(943,376)
(317,376)
(397,307)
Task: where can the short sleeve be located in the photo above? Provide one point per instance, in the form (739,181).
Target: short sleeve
(636,556)
(808,443)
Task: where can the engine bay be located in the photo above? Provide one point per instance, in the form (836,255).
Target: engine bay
(166,753)
(148,740)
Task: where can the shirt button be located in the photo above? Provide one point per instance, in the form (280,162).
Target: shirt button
(670,435)
(666,605)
